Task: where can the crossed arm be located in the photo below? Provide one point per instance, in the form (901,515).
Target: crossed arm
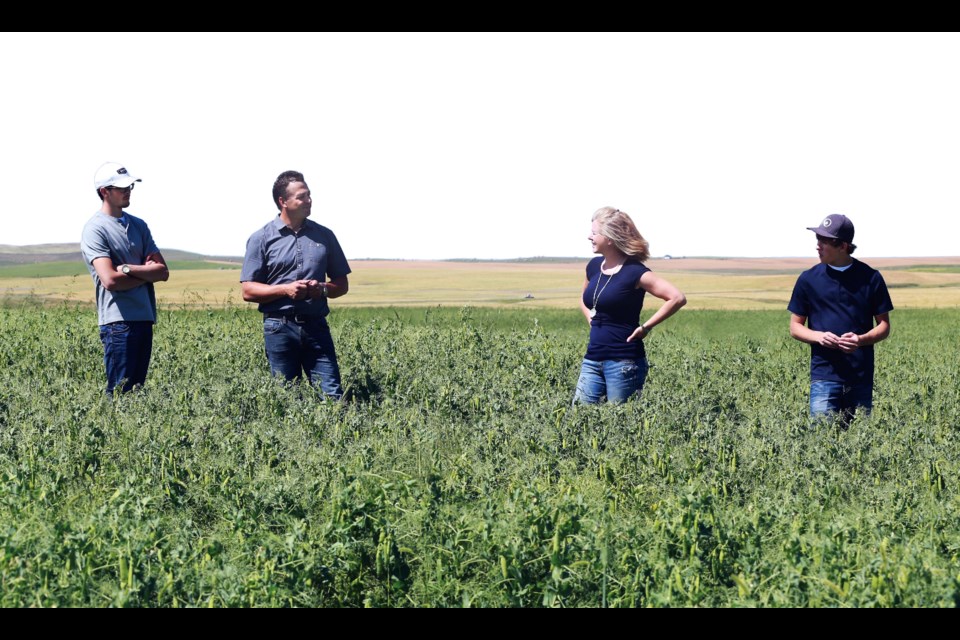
(848,342)
(154,269)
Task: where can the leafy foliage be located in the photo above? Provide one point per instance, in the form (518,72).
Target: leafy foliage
(457,473)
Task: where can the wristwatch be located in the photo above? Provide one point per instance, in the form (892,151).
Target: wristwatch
(125,269)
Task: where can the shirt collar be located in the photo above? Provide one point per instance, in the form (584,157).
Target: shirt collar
(279,226)
(840,269)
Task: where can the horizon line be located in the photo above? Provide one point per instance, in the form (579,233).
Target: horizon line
(12,249)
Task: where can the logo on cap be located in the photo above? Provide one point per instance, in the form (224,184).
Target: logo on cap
(122,170)
(827,223)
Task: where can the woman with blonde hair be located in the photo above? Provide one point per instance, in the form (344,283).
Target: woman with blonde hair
(615,365)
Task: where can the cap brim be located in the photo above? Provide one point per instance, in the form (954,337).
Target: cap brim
(122,182)
(822,232)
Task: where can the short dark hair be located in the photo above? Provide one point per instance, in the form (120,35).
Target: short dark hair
(282,182)
(836,242)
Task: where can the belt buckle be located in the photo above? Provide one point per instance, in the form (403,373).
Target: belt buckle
(299,318)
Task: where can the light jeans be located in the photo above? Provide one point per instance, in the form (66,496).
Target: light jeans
(617,380)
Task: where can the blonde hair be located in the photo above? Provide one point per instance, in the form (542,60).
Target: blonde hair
(616,226)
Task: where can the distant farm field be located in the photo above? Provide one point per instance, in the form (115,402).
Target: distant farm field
(457,473)
(733,284)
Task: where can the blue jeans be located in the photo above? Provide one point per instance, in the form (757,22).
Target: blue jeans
(615,379)
(293,348)
(126,353)
(828,398)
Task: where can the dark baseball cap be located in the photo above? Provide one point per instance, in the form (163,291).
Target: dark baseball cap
(836,226)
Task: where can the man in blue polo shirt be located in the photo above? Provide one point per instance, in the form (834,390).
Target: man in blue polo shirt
(286,270)
(841,308)
(124,262)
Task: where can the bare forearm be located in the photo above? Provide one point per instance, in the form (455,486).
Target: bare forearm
(264,293)
(673,298)
(337,287)
(875,335)
(666,310)
(150,272)
(805,334)
(112,278)
(120,282)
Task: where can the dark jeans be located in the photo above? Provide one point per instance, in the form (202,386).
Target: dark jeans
(837,400)
(307,346)
(126,353)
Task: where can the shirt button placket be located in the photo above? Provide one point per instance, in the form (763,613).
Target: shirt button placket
(299,257)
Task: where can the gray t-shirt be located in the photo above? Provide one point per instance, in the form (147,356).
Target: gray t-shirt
(125,240)
(277,255)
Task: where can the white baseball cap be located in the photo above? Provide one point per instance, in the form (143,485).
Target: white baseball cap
(113,174)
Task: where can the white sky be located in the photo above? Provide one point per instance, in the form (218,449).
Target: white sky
(497,145)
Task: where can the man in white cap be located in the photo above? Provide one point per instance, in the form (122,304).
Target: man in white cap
(841,308)
(124,262)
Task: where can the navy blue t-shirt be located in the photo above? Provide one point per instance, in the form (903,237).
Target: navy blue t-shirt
(841,302)
(618,304)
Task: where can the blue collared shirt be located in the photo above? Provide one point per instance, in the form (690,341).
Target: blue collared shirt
(277,255)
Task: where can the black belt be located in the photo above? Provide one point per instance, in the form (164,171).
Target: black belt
(298,318)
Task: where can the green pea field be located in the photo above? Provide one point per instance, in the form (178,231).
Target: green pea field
(456,472)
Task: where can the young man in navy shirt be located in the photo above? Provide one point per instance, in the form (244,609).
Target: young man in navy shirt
(841,308)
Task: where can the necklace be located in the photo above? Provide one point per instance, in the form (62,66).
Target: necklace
(596,296)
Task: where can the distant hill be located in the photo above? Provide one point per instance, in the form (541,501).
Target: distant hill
(533,260)
(34,253)
(70,252)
